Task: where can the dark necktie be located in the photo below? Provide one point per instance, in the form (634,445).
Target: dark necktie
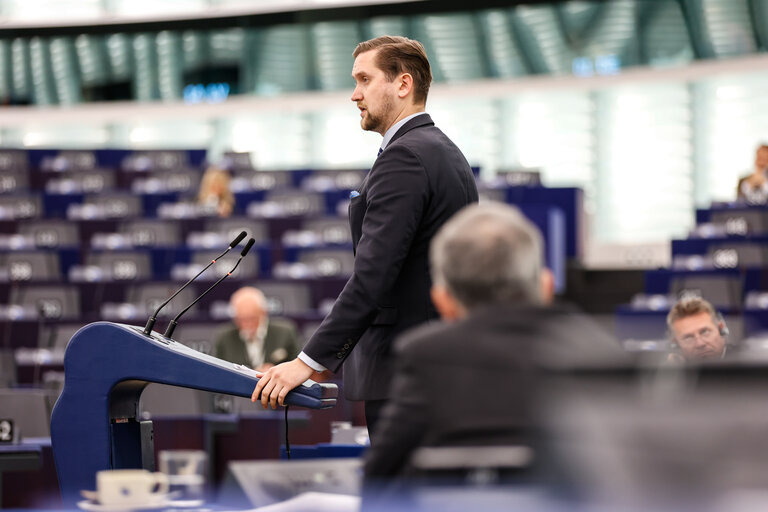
(380,150)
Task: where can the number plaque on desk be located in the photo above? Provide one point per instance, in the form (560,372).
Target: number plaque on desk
(7,430)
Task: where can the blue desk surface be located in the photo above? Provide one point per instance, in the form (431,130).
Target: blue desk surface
(24,456)
(29,444)
(323,451)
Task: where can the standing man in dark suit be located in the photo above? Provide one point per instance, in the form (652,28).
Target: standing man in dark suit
(256,340)
(418,181)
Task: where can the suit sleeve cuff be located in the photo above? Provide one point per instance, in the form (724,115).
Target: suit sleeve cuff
(312,363)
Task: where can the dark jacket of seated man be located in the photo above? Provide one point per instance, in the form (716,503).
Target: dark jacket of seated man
(471,380)
(281,343)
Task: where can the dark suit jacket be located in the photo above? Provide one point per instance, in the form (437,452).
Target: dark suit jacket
(281,344)
(416,184)
(474,382)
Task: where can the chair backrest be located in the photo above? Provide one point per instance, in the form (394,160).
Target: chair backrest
(329,262)
(150,296)
(57,335)
(155,160)
(7,369)
(123,265)
(297,202)
(90,182)
(308,329)
(238,161)
(492,194)
(247,269)
(334,180)
(51,233)
(77,159)
(13,180)
(723,291)
(331,230)
(286,298)
(742,254)
(750,221)
(52,301)
(21,206)
(264,180)
(162,400)
(198,336)
(234,225)
(179,180)
(151,233)
(29,409)
(31,265)
(13,159)
(117,205)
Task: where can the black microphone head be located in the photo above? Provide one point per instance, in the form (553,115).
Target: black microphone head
(247,247)
(238,239)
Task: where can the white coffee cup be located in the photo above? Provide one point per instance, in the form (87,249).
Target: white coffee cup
(130,487)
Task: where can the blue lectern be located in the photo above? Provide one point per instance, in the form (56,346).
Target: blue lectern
(95,423)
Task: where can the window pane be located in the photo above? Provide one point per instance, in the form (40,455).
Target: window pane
(645,172)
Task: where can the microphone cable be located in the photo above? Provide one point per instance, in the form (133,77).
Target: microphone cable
(287,443)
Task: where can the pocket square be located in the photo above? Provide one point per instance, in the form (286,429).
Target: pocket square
(354,194)
(279,355)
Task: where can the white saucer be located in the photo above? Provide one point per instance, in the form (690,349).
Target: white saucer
(98,507)
(162,501)
(156,500)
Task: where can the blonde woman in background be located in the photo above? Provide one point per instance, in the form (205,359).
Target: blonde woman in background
(215,193)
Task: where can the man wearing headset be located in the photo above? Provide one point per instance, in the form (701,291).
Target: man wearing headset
(698,332)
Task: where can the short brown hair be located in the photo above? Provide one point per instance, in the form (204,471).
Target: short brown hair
(689,307)
(401,55)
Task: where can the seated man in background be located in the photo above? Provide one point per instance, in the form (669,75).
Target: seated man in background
(698,332)
(471,380)
(753,188)
(255,340)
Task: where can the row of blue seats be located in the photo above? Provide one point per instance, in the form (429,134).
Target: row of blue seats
(321,242)
(726,235)
(185,179)
(275,202)
(56,300)
(177,263)
(206,233)
(71,160)
(120,204)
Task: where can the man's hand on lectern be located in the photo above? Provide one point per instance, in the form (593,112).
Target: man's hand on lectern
(279,380)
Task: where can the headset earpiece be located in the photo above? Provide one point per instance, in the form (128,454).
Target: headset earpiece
(721,325)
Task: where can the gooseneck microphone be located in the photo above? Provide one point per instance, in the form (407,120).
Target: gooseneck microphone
(153,318)
(172,325)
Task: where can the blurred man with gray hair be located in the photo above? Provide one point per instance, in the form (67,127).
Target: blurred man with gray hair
(470,380)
